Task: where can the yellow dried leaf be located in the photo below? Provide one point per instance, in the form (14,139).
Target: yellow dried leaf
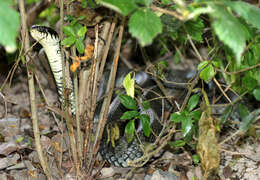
(207,148)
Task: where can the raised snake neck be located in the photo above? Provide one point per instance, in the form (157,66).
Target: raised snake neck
(123,150)
(50,41)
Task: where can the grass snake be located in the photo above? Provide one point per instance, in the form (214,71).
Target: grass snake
(123,151)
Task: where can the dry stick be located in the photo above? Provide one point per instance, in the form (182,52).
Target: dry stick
(240,71)
(109,90)
(76,93)
(159,84)
(108,42)
(91,98)
(99,48)
(142,160)
(90,104)
(36,131)
(5,103)
(165,11)
(200,58)
(66,78)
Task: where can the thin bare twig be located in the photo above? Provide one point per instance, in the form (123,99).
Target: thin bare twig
(106,102)
(165,11)
(36,131)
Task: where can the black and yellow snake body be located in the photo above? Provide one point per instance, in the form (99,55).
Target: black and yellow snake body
(123,151)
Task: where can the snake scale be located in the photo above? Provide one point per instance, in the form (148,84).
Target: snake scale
(123,151)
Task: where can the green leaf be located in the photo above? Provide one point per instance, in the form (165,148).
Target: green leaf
(129,115)
(256,94)
(247,11)
(195,115)
(202,65)
(145,119)
(144,2)
(177,143)
(129,84)
(193,102)
(68,31)
(248,120)
(249,82)
(123,6)
(19,139)
(146,105)
(186,125)
(230,31)
(130,130)
(196,159)
(80,46)
(9,24)
(128,102)
(67,42)
(177,117)
(243,111)
(227,112)
(84,3)
(195,29)
(82,31)
(145,25)
(208,72)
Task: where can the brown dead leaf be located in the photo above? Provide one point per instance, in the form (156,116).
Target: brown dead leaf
(207,148)
(56,145)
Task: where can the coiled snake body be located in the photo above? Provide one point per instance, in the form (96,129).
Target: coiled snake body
(123,150)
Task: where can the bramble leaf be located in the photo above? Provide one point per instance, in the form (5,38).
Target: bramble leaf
(145,25)
(247,11)
(123,6)
(145,119)
(129,115)
(130,130)
(80,46)
(9,24)
(128,102)
(230,31)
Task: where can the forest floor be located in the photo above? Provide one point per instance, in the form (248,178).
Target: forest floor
(18,157)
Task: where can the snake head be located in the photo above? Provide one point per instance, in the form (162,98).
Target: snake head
(44,35)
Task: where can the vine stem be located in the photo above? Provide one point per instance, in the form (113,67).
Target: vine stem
(36,130)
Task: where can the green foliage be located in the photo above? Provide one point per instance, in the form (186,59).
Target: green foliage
(177,143)
(229,30)
(256,93)
(196,159)
(195,29)
(247,11)
(128,102)
(145,105)
(133,115)
(9,24)
(207,71)
(130,130)
(193,102)
(50,14)
(129,84)
(140,26)
(187,117)
(123,6)
(145,119)
(129,115)
(75,34)
(248,119)
(144,24)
